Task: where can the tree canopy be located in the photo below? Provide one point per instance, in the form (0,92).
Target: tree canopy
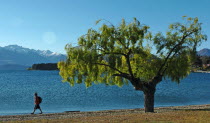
(115,54)
(104,55)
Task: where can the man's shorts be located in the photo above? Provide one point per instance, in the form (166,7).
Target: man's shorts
(37,106)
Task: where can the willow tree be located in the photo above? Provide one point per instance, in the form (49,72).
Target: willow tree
(117,55)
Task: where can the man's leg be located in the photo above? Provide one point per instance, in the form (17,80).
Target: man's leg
(33,111)
(35,107)
(40,110)
(38,106)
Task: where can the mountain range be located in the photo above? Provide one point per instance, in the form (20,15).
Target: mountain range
(204,52)
(18,57)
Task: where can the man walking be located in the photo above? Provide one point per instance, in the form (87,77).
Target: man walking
(37,101)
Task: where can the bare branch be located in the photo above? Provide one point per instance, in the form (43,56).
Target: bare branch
(105,21)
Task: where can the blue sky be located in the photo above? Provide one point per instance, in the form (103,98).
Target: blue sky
(51,24)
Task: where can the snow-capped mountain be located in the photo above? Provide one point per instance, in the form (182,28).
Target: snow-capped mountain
(14,54)
(204,52)
(23,50)
(16,48)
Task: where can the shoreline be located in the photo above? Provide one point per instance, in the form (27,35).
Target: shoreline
(201,71)
(76,114)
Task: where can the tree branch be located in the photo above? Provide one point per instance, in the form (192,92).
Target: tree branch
(122,44)
(171,51)
(116,53)
(124,75)
(109,67)
(129,64)
(169,61)
(134,81)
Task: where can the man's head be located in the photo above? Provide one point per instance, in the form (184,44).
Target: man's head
(35,94)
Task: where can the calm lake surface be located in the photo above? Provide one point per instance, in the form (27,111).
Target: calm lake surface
(17,89)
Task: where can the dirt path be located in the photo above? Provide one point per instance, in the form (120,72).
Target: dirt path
(99,113)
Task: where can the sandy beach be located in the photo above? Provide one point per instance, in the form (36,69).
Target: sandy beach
(77,114)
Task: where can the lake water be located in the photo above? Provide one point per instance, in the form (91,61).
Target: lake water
(17,89)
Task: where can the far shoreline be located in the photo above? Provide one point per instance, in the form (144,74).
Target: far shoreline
(201,71)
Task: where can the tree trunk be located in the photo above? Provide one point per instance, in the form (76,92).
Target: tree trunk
(149,89)
(149,100)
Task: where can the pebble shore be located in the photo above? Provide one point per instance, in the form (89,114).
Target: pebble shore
(77,114)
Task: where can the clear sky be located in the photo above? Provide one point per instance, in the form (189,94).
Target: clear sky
(51,24)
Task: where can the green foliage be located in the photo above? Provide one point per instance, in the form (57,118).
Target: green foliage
(105,52)
(113,55)
(178,47)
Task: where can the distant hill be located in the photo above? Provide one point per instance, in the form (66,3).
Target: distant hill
(14,55)
(44,66)
(204,52)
